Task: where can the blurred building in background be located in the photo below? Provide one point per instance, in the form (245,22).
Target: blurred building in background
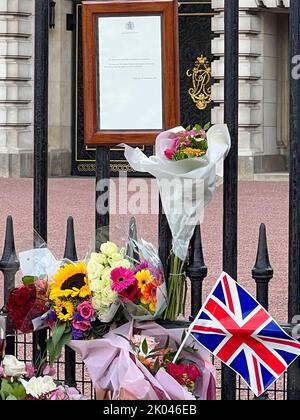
(264,91)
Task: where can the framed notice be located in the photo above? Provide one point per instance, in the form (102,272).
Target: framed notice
(131,71)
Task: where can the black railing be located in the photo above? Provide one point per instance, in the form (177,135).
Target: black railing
(71,370)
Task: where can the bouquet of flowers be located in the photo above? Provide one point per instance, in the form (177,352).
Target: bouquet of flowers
(149,352)
(28,303)
(186,165)
(134,362)
(71,314)
(141,288)
(133,278)
(190,143)
(100,266)
(18,382)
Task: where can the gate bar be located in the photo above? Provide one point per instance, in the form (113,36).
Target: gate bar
(40,139)
(102,176)
(294,228)
(230,221)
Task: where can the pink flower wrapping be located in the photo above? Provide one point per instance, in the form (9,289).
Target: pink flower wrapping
(115,370)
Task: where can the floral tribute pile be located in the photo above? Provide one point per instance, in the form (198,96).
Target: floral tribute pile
(105,306)
(88,305)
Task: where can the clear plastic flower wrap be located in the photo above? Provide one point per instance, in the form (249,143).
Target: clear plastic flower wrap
(28,303)
(145,299)
(128,272)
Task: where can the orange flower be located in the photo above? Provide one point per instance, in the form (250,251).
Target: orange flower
(149,291)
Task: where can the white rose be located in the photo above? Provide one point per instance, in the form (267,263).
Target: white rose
(121,263)
(12,366)
(36,387)
(99,258)
(115,257)
(109,248)
(105,277)
(96,286)
(94,270)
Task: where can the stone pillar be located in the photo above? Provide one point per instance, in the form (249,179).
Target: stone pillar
(16,87)
(60,90)
(258,57)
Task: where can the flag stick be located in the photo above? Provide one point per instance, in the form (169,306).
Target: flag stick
(182,345)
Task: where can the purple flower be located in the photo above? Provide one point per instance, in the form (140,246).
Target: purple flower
(77,317)
(76,334)
(52,315)
(144,265)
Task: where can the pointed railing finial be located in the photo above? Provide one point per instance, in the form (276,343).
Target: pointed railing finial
(70,246)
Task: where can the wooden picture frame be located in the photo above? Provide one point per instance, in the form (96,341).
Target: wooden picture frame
(133,117)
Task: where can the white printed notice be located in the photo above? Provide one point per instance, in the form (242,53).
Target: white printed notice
(130,73)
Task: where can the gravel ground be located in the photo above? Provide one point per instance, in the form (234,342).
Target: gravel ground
(259,202)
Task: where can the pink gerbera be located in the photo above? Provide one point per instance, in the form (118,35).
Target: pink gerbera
(121,278)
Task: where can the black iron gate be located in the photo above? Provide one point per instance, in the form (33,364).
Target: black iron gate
(195,59)
(230,389)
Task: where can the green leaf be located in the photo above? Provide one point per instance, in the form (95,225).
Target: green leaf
(27,280)
(198,127)
(6,387)
(2,395)
(145,347)
(58,332)
(19,392)
(188,128)
(207,126)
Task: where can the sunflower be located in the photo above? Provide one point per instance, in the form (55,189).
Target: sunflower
(70,281)
(144,277)
(64,310)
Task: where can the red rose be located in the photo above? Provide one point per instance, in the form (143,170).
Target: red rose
(176,371)
(184,373)
(193,372)
(23,307)
(131,293)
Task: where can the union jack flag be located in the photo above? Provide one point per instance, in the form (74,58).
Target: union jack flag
(235,328)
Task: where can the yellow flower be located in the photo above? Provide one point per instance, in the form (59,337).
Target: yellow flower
(143,277)
(144,301)
(64,310)
(70,281)
(84,292)
(193,152)
(152,307)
